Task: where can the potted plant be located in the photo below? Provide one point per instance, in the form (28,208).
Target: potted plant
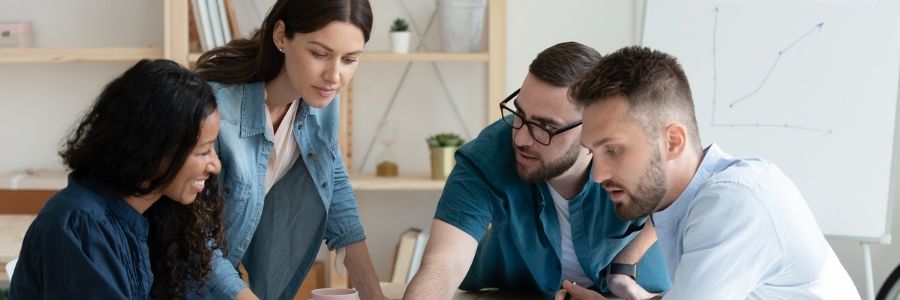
(400,36)
(442,147)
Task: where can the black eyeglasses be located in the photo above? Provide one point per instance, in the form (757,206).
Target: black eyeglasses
(538,132)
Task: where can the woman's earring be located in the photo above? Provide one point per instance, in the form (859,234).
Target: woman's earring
(281,49)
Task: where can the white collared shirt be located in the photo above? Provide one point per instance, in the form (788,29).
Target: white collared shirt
(285,150)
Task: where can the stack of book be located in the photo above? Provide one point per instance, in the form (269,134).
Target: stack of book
(409,255)
(212,24)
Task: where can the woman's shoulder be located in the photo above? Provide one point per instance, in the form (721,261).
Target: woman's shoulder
(230,97)
(73,204)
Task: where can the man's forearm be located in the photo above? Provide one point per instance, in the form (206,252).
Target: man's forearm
(447,258)
(432,282)
(634,251)
(362,272)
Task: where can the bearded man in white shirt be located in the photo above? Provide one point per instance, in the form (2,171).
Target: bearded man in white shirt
(729,228)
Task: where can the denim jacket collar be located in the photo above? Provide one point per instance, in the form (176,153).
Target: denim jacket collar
(253,111)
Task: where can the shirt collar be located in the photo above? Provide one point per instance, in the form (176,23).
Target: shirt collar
(253,111)
(712,163)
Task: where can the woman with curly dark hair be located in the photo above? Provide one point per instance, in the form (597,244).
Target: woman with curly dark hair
(141,215)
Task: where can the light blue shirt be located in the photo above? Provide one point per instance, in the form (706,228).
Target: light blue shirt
(741,230)
(278,244)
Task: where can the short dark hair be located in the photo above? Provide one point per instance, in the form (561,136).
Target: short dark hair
(653,84)
(563,64)
(258,59)
(141,128)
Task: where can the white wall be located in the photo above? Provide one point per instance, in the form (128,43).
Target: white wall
(39,102)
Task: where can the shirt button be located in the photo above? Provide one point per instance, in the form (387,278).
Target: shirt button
(312,156)
(324,184)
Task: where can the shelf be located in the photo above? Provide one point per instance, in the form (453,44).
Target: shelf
(373,183)
(57,179)
(423,56)
(62,55)
(412,56)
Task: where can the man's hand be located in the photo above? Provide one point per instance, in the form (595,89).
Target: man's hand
(625,287)
(577,293)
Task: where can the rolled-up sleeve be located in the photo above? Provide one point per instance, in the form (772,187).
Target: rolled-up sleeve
(465,202)
(224,281)
(343,227)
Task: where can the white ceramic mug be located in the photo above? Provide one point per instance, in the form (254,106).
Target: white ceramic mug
(335,294)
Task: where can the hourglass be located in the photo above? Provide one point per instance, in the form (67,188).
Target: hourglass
(387,161)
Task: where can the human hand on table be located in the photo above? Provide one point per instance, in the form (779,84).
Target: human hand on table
(576,292)
(625,287)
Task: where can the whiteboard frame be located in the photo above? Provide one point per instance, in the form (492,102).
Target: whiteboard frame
(892,191)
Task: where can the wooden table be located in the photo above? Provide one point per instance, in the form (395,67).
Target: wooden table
(394,291)
(12,232)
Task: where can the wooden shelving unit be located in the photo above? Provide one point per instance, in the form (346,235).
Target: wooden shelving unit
(405,57)
(495,59)
(425,56)
(69,55)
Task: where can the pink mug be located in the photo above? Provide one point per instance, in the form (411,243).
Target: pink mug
(335,294)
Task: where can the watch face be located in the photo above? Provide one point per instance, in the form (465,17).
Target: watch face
(623,269)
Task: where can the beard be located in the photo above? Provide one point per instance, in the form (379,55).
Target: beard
(650,190)
(545,170)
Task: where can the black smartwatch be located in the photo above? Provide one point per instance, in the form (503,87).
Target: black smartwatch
(622,269)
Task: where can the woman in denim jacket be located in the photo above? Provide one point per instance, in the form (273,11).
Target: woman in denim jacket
(285,185)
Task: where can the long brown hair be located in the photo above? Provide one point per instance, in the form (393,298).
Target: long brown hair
(257,59)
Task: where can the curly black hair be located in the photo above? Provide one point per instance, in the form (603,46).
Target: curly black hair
(179,260)
(135,139)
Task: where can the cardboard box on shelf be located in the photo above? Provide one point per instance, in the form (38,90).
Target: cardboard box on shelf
(15,34)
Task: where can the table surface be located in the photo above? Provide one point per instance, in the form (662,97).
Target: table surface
(395,291)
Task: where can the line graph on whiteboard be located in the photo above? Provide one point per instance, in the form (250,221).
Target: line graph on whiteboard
(750,96)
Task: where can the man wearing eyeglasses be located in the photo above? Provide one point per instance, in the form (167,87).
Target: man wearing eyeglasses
(520,213)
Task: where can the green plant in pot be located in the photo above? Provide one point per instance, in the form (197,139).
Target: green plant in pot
(400,36)
(442,147)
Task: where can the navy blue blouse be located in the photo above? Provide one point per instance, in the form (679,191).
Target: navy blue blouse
(86,243)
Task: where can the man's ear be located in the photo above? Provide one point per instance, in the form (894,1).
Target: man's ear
(278,34)
(676,140)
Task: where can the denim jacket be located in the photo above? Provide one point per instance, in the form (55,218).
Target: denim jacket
(244,146)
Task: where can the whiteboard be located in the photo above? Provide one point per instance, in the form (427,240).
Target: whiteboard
(808,85)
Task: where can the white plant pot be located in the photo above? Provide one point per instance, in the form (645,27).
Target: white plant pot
(400,41)
(462,23)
